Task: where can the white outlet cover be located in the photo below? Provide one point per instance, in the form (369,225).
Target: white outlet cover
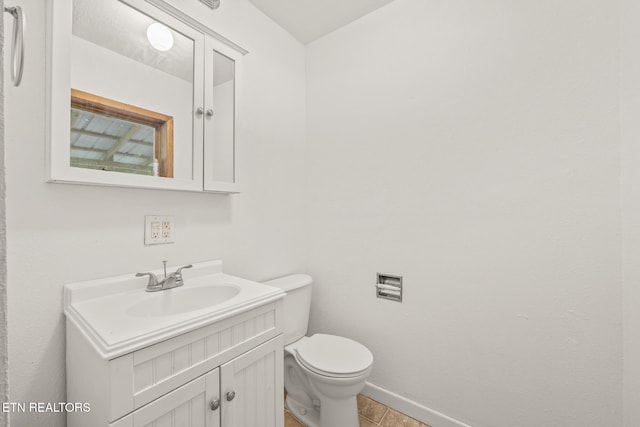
(159,229)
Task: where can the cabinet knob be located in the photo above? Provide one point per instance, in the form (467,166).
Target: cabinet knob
(209,113)
(231,395)
(200,111)
(215,404)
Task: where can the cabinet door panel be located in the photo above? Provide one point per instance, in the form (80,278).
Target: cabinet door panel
(256,379)
(222,68)
(188,406)
(132,120)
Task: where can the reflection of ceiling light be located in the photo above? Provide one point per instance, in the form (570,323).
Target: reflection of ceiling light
(160,37)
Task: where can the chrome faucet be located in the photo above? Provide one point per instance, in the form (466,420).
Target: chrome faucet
(173,280)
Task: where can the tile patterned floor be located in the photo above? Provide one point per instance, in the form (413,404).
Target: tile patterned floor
(371,414)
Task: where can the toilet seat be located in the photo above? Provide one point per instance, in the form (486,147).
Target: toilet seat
(333,356)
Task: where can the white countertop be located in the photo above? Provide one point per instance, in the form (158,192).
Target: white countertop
(101,309)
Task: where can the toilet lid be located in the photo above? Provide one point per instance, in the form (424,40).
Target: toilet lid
(332,355)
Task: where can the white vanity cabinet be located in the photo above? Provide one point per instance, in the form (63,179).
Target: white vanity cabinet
(241,393)
(216,367)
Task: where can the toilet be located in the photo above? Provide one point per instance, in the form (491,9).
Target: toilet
(322,373)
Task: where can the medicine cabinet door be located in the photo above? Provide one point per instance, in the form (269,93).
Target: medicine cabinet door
(126,92)
(222,70)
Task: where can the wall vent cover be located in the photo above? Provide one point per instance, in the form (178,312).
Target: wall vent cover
(213,4)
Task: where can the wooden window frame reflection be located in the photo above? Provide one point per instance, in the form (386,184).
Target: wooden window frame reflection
(162,123)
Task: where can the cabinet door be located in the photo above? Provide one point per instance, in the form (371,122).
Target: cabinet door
(126,96)
(221,86)
(188,406)
(252,387)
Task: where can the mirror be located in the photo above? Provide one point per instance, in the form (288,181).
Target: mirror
(132,92)
(223,101)
(140,95)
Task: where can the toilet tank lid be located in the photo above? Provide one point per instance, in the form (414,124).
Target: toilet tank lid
(289,283)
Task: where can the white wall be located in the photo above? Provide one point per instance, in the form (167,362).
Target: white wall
(63,233)
(630,154)
(4,366)
(472,147)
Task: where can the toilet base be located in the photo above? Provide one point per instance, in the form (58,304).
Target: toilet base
(342,413)
(309,416)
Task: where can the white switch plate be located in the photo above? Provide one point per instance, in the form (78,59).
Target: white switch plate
(159,229)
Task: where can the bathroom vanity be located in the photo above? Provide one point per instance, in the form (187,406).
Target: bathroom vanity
(206,354)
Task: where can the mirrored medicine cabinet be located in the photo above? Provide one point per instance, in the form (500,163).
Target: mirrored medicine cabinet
(140,98)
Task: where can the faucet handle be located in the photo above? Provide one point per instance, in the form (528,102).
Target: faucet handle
(179,270)
(153,280)
(178,273)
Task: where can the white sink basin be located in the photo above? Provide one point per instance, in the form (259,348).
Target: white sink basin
(118,316)
(182,300)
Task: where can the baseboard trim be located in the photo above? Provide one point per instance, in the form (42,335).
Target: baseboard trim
(410,408)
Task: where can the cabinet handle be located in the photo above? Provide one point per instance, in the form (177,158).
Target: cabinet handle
(215,404)
(200,111)
(231,395)
(209,113)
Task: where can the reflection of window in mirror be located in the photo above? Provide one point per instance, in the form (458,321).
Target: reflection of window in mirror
(114,136)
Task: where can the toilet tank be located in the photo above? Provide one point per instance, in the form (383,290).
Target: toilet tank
(297,304)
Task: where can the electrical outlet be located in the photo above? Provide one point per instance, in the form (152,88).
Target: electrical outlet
(155,229)
(159,229)
(167,228)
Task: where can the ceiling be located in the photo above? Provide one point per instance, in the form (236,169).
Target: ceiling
(308,20)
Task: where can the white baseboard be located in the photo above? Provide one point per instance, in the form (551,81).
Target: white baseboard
(410,408)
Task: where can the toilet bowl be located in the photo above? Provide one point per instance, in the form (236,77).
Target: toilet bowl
(322,376)
(323,373)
